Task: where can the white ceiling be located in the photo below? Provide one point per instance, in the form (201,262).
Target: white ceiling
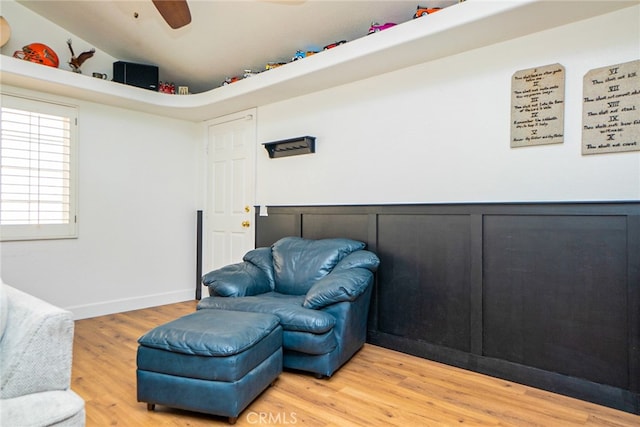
(224,37)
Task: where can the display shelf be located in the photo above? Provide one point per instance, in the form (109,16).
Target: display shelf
(291,147)
(456,29)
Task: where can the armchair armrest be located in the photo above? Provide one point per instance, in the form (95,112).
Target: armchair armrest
(338,286)
(262,258)
(237,280)
(36,346)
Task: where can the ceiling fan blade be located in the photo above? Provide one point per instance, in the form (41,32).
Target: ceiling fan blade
(175,12)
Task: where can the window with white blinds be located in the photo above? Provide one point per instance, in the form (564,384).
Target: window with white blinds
(37,161)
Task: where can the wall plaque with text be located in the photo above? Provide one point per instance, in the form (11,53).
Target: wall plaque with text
(537,106)
(611,109)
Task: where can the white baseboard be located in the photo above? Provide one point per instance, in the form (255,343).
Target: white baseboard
(128,304)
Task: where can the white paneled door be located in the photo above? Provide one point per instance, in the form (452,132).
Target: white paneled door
(231,189)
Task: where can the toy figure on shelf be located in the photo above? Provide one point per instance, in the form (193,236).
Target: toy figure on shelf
(76,62)
(423,11)
(272,65)
(249,73)
(300,54)
(334,44)
(375,27)
(167,87)
(229,80)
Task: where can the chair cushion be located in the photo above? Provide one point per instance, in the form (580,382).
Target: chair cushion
(211,333)
(288,308)
(304,342)
(298,263)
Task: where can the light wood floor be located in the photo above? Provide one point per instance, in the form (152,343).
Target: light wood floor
(378,387)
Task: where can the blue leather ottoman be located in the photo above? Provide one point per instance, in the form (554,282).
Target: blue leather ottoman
(211,361)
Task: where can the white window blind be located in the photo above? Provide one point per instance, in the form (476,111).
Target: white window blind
(37,185)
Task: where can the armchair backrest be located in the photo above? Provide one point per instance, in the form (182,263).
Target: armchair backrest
(298,263)
(292,266)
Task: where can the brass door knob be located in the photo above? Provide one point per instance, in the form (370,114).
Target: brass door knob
(246,224)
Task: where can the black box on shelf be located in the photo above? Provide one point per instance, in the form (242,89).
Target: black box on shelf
(139,75)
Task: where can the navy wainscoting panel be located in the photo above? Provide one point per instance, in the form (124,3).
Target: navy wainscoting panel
(545,294)
(426,272)
(555,289)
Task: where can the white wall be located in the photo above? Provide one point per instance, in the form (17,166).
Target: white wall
(138,194)
(440,131)
(139,189)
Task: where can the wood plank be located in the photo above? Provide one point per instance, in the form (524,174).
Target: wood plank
(378,387)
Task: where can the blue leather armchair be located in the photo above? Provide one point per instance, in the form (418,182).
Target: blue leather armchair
(319,289)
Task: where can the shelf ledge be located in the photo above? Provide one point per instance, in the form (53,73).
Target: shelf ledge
(456,29)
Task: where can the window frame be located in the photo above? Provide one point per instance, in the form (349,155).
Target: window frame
(69,230)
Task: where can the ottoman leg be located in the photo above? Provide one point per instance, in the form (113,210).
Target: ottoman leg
(232,420)
(151,406)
